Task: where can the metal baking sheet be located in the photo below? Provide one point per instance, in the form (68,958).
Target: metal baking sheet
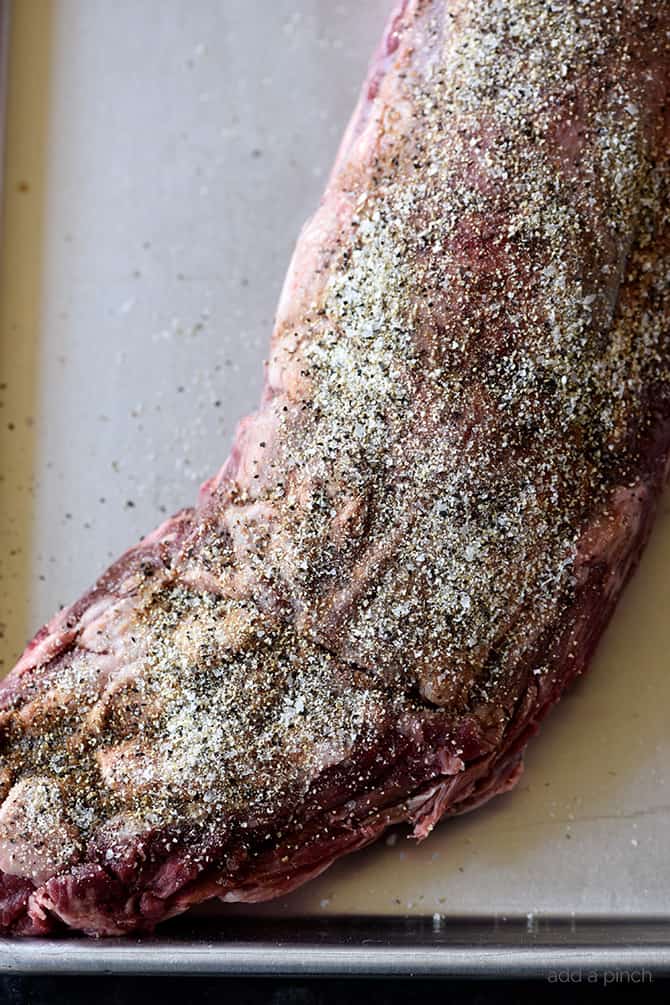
(161,156)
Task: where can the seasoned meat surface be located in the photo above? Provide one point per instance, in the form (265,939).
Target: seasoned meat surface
(421,534)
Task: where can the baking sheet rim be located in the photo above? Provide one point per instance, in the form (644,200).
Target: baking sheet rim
(636,950)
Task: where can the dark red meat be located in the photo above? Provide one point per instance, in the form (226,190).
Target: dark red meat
(421,534)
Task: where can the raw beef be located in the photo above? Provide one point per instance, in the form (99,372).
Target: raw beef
(421,534)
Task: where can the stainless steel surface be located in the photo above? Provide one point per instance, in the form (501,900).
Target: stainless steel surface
(593,950)
(161,157)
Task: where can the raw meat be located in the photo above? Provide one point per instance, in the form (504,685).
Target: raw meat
(420,536)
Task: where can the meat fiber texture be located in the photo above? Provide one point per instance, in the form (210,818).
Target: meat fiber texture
(421,534)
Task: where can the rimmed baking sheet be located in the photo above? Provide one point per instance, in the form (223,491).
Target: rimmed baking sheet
(160,159)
